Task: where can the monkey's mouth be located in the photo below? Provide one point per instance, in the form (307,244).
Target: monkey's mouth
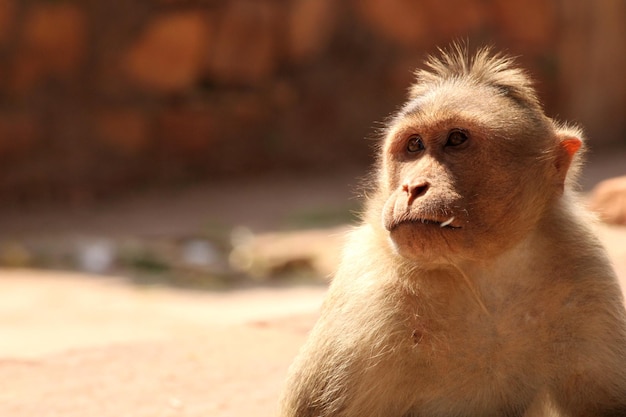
(441,224)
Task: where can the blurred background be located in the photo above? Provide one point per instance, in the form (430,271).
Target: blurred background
(157,118)
(101,98)
(151,148)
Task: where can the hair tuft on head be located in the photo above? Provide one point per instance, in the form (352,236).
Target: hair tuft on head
(483,68)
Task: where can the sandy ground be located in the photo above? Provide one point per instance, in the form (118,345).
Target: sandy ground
(77,345)
(81,345)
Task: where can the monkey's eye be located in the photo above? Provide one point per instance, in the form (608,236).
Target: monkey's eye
(415,144)
(456,138)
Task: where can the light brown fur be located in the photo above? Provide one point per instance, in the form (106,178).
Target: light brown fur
(510,310)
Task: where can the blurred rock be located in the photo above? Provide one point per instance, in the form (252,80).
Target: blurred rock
(19,134)
(7,20)
(270,255)
(52,44)
(608,199)
(457,18)
(200,253)
(529,24)
(96,256)
(186,130)
(241,236)
(124,130)
(311,25)
(15,255)
(245,49)
(169,53)
(591,62)
(402,21)
(101,97)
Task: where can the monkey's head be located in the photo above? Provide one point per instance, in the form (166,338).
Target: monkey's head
(470,164)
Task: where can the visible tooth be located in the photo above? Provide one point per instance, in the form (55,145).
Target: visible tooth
(447,222)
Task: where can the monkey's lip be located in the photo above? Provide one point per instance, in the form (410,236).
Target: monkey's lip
(446,224)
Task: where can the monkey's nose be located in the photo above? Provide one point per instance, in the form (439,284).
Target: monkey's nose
(415,191)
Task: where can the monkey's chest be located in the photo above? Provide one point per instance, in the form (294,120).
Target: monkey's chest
(460,351)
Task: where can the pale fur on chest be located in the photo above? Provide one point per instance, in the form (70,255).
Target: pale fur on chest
(460,353)
(471,340)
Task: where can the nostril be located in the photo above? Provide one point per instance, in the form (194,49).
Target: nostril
(419,190)
(415,191)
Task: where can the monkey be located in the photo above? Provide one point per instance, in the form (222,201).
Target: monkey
(473,285)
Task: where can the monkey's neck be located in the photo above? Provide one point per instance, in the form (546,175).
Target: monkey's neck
(486,281)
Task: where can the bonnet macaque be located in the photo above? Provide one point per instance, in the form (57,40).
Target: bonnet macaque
(474,286)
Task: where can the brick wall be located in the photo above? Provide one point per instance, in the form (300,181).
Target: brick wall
(100,97)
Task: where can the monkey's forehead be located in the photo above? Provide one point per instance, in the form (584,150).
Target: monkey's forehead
(453,97)
(455,104)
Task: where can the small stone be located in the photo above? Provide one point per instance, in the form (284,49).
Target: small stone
(96,256)
(199,253)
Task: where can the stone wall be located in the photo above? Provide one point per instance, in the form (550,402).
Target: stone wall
(101,97)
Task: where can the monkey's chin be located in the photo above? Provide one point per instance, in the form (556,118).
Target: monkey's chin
(426,242)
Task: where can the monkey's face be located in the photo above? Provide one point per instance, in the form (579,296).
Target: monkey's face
(463,176)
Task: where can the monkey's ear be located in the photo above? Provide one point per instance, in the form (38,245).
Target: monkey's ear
(568,156)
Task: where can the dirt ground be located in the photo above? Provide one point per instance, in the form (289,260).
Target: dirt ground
(77,345)
(82,345)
